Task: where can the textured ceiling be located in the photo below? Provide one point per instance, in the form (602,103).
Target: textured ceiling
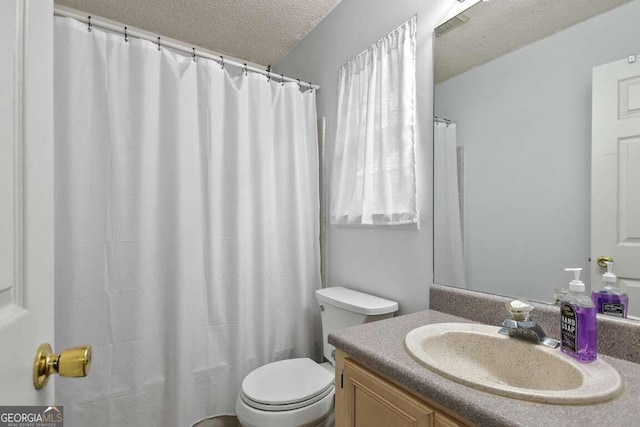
(259,31)
(498,27)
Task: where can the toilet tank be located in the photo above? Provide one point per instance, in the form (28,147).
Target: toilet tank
(341,308)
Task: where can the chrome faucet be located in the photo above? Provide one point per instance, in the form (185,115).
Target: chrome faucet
(522,326)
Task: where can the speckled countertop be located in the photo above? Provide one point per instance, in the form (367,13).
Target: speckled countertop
(379,345)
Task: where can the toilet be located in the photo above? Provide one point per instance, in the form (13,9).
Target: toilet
(300,392)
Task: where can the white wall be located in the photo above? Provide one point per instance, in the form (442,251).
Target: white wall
(525,121)
(396,263)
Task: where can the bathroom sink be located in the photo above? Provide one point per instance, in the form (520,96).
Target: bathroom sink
(479,357)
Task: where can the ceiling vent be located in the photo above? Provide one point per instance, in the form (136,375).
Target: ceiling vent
(452,23)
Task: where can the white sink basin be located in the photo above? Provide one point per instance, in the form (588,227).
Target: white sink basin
(478,356)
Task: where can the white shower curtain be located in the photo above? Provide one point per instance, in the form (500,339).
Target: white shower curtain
(187,228)
(449,262)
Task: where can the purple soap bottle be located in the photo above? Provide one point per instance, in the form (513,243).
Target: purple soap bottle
(578,327)
(611,298)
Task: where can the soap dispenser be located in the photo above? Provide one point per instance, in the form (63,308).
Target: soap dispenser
(611,298)
(578,327)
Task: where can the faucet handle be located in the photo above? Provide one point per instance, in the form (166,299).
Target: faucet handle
(519,309)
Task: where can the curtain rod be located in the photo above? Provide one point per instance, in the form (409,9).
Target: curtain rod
(127,31)
(441,120)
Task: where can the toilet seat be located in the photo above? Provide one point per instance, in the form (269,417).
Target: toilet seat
(286,385)
(289,406)
(319,414)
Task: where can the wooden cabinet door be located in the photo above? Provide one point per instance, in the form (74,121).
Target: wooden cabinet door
(370,401)
(445,421)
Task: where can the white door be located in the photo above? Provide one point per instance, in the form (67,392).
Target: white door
(26,196)
(615,174)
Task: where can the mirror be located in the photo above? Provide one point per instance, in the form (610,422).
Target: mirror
(513,146)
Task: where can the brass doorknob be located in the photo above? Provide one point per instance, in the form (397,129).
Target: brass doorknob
(602,259)
(72,362)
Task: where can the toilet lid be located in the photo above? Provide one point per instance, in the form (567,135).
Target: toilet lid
(286,382)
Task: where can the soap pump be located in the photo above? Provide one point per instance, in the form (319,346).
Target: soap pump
(611,298)
(578,327)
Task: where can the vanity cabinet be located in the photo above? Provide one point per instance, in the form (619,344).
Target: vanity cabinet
(367,399)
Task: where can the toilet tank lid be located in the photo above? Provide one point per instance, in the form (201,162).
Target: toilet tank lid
(355,301)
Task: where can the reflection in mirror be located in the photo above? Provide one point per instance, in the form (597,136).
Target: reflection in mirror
(535,100)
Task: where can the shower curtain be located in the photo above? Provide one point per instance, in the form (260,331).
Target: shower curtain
(449,262)
(187,230)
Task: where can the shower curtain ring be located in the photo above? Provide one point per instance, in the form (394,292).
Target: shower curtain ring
(193,56)
(245,69)
(89,24)
(221,62)
(158,43)
(281,79)
(126,37)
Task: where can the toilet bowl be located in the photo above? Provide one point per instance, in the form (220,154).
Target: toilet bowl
(293,392)
(300,392)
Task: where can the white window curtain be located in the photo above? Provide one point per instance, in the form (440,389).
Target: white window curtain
(448,256)
(187,228)
(374,168)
